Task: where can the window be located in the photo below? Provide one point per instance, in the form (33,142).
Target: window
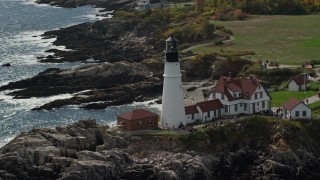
(256,95)
(263,104)
(235,107)
(235,95)
(225,108)
(222,96)
(192,116)
(304,113)
(261,94)
(297,113)
(209,114)
(245,106)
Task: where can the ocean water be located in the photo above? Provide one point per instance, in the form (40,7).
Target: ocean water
(21,24)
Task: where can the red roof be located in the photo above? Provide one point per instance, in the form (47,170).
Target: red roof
(211,105)
(247,86)
(137,114)
(293,102)
(205,106)
(191,109)
(299,80)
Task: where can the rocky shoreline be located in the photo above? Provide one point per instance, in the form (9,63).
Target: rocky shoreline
(85,150)
(93,86)
(107,4)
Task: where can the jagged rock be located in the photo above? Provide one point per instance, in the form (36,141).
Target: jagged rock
(6,64)
(273,167)
(85,150)
(107,40)
(116,84)
(109,4)
(168,175)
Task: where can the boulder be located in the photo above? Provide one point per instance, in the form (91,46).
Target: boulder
(6,65)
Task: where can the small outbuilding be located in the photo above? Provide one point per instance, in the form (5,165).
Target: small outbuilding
(139,119)
(295,109)
(298,83)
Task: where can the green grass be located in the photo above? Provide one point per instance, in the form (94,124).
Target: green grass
(283,39)
(280,97)
(315,110)
(313,84)
(315,105)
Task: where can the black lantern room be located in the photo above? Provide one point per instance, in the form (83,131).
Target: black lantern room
(172,49)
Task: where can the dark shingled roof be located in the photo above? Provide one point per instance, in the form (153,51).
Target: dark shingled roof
(205,106)
(247,86)
(299,80)
(211,105)
(137,114)
(289,105)
(191,109)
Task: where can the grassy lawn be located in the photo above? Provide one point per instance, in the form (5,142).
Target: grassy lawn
(314,84)
(280,97)
(315,110)
(283,39)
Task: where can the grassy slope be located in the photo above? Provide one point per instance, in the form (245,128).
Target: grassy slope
(284,39)
(280,97)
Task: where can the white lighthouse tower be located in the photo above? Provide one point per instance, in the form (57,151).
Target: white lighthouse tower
(172,111)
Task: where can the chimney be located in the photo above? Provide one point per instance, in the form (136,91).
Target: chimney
(251,77)
(229,75)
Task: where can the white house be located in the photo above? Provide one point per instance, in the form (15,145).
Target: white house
(149,4)
(295,109)
(241,95)
(298,83)
(204,111)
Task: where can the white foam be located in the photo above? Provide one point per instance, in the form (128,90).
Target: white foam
(33,2)
(150,103)
(27,104)
(6,140)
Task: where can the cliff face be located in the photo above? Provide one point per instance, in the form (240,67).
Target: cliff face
(84,150)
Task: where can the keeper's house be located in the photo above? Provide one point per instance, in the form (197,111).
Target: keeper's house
(241,95)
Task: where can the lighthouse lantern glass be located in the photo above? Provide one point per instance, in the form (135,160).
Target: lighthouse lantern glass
(172,46)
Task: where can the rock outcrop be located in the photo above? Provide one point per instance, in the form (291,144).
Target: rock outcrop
(93,86)
(107,40)
(108,4)
(85,150)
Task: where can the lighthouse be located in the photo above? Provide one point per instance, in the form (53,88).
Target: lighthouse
(172,111)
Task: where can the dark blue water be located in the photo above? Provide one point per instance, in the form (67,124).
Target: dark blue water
(21,23)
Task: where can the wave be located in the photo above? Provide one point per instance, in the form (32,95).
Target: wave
(4,141)
(28,104)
